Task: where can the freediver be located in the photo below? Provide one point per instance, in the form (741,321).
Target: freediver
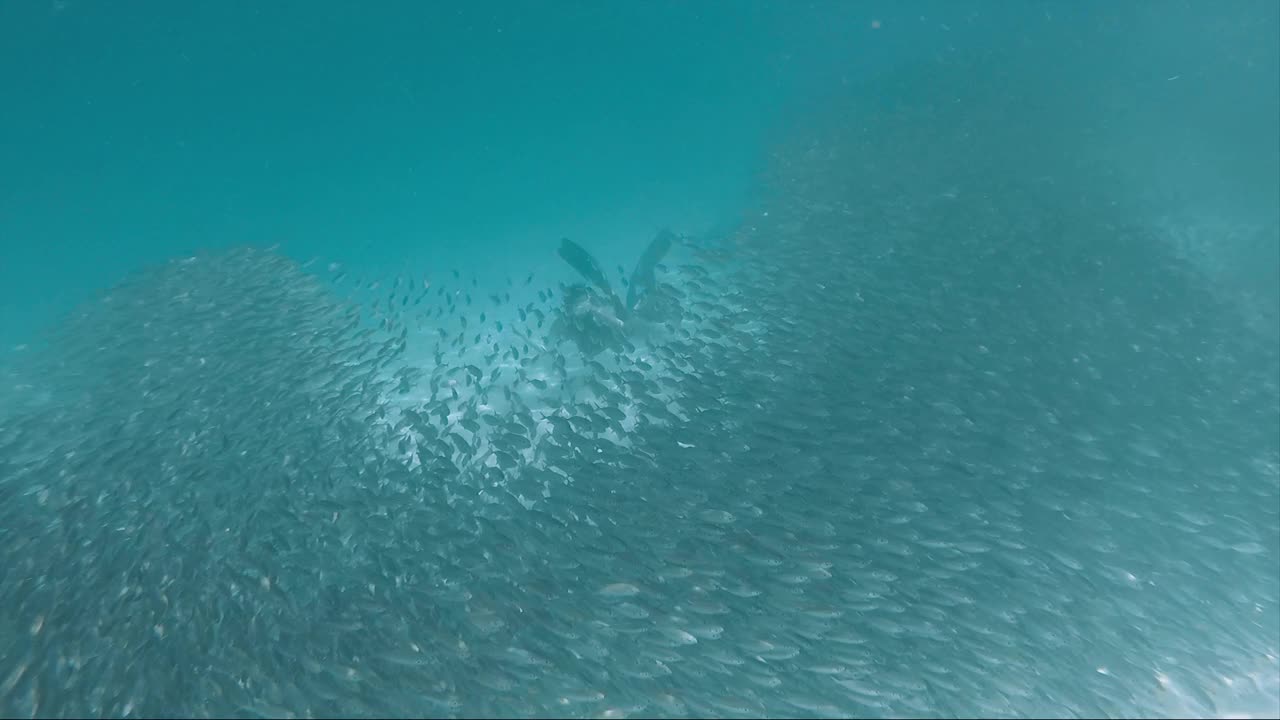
(592,315)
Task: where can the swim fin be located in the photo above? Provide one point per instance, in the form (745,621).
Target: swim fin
(581,260)
(642,278)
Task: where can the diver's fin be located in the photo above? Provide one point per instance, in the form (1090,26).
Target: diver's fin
(642,279)
(581,260)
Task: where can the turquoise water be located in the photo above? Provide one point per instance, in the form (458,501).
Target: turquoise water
(410,132)
(430,131)
(960,395)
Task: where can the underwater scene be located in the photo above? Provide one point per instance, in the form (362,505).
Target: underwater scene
(640,359)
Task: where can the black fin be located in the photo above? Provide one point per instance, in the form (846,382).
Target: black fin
(642,279)
(581,260)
